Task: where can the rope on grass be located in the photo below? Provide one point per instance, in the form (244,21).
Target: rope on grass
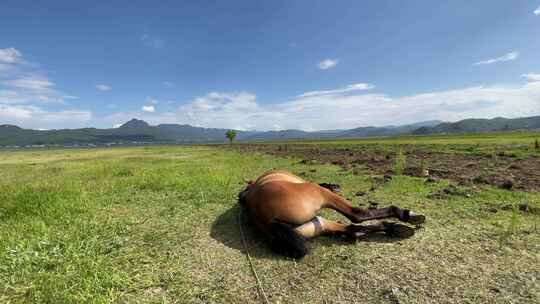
(259,284)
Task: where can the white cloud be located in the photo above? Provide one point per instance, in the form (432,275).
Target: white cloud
(70,97)
(149,108)
(10,96)
(33,88)
(242,110)
(30,83)
(327,64)
(103,87)
(169,84)
(23,85)
(117,125)
(537,11)
(349,88)
(22,82)
(507,57)
(10,55)
(28,116)
(219,106)
(152,41)
(532,76)
(5,68)
(15,112)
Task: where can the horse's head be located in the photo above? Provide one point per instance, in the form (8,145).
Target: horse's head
(242,195)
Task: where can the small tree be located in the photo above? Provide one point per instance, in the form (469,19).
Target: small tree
(536,144)
(231,134)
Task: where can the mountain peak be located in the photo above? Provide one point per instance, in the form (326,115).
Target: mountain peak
(135,123)
(10,127)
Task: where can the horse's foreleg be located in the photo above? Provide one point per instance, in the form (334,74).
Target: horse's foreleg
(357,215)
(321,226)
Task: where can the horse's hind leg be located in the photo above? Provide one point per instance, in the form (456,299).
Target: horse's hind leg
(357,215)
(321,226)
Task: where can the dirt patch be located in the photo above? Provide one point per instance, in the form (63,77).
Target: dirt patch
(505,170)
(450,191)
(527,208)
(524,208)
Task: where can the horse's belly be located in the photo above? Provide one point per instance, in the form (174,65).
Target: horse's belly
(297,213)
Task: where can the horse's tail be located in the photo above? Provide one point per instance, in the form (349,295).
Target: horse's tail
(286,241)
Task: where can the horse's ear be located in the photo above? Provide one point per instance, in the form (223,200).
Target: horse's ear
(248,181)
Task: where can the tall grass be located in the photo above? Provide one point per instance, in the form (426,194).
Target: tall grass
(508,231)
(423,167)
(400,162)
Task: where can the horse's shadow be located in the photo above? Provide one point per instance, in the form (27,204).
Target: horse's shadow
(226,230)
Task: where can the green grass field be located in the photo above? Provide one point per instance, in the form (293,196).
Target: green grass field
(520,143)
(159,225)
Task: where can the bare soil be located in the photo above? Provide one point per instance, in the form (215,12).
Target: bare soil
(501,170)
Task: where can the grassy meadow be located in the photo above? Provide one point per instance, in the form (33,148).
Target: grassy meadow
(160,225)
(520,143)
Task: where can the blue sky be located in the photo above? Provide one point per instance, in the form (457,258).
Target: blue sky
(267,64)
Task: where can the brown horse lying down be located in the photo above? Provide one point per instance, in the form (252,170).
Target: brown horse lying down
(284,207)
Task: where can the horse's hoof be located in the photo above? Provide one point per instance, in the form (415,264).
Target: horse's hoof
(416,219)
(358,234)
(408,216)
(398,230)
(332,187)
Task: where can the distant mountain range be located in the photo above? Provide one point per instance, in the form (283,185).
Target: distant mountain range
(138,131)
(482,125)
